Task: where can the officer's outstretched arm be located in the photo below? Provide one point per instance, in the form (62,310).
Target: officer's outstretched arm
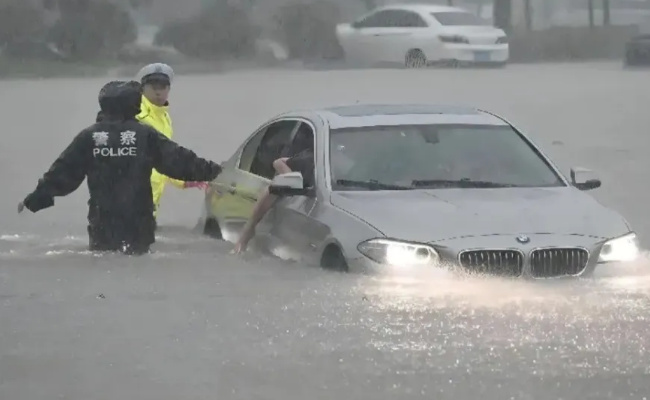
(64,176)
(177,162)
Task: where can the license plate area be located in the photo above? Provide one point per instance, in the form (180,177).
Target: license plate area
(482,56)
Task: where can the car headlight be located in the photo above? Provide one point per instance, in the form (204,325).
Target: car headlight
(621,249)
(396,253)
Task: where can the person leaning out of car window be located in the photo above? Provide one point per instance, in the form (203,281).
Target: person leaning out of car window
(300,159)
(156,82)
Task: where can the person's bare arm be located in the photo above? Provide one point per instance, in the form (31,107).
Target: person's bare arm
(262,206)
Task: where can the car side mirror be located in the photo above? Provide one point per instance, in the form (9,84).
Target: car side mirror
(289,184)
(584,179)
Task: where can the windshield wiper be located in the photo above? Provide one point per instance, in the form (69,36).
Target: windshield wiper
(459,183)
(371,184)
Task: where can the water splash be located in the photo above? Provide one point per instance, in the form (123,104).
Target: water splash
(442,289)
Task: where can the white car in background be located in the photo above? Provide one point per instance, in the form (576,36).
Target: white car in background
(419,35)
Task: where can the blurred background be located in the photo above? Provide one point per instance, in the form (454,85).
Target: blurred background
(89,36)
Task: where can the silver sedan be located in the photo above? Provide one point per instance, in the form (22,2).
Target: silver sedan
(415,187)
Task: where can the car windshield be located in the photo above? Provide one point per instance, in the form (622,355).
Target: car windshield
(457,18)
(435,156)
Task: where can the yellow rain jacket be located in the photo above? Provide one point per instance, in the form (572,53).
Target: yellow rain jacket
(158,118)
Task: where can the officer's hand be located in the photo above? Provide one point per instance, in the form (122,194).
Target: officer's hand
(21,207)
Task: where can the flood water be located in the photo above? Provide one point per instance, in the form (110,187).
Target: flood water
(192,321)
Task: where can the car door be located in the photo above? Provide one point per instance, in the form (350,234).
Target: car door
(239,187)
(290,222)
(293,228)
(397,36)
(363,37)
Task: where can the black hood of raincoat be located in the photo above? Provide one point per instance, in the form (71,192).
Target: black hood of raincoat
(119,100)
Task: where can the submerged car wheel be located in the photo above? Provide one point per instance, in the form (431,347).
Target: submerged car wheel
(415,59)
(212,229)
(333,259)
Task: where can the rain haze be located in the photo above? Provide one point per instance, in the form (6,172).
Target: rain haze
(192,321)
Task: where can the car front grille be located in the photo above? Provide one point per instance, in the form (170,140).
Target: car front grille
(549,263)
(494,262)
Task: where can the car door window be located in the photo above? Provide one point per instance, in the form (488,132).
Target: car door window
(409,19)
(452,18)
(392,19)
(250,149)
(265,147)
(381,19)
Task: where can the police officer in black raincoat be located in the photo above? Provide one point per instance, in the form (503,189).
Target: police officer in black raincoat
(117,155)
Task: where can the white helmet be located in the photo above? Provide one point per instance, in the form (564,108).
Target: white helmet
(156,70)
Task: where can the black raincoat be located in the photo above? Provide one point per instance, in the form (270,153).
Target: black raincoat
(117,155)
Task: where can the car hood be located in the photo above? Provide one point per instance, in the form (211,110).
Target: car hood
(432,215)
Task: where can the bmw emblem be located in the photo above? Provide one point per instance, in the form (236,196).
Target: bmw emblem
(523,239)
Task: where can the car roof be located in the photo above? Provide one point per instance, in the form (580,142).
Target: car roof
(420,8)
(361,115)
